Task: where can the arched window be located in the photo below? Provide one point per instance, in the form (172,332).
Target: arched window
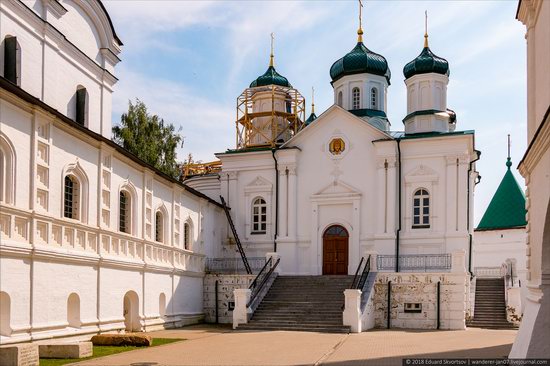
(7,171)
(73,311)
(159,227)
(374,98)
(187,236)
(421,209)
(356,98)
(259,216)
(12,60)
(340,99)
(81,110)
(71,198)
(124,212)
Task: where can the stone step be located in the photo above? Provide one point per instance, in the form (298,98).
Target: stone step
(294,329)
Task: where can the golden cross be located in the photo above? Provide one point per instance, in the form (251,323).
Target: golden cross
(508,146)
(360,14)
(425,28)
(312,100)
(271,56)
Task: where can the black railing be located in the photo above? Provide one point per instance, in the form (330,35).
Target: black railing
(260,281)
(354,283)
(233,265)
(262,272)
(236,236)
(364,275)
(415,262)
(359,280)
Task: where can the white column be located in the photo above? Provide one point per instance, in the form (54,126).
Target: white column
(292,204)
(352,310)
(283,201)
(241,311)
(458,261)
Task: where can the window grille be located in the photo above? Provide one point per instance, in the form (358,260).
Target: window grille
(70,201)
(159,226)
(186,236)
(373,98)
(356,98)
(259,216)
(421,209)
(124,212)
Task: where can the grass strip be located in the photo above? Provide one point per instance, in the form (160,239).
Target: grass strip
(101,351)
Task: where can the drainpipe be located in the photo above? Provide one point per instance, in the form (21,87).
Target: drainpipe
(438,304)
(276,200)
(399,188)
(470,236)
(389,304)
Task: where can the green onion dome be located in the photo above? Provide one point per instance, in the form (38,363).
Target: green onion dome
(270,77)
(358,61)
(425,63)
(312,117)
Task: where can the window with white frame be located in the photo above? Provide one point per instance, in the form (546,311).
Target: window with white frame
(340,99)
(356,98)
(374,98)
(71,197)
(159,227)
(421,209)
(187,236)
(124,212)
(259,216)
(81,106)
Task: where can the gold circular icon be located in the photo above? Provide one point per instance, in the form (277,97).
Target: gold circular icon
(337,146)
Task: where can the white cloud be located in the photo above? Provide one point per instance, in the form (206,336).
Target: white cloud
(201,120)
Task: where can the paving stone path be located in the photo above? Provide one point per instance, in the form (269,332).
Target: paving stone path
(213,346)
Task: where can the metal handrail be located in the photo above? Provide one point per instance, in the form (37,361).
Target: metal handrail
(364,275)
(356,273)
(254,283)
(259,288)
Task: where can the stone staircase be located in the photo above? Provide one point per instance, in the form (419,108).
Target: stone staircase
(490,305)
(302,303)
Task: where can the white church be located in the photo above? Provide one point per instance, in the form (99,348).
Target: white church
(95,240)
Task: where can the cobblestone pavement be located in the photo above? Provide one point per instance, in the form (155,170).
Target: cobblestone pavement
(211,345)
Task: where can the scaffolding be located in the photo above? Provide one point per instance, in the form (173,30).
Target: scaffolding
(257,127)
(190,168)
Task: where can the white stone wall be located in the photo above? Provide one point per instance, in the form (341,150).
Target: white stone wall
(61,51)
(421,288)
(226,284)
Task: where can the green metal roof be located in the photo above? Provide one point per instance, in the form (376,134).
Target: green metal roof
(425,63)
(366,112)
(507,208)
(312,117)
(358,61)
(270,77)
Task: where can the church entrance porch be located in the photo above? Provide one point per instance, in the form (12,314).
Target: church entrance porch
(335,251)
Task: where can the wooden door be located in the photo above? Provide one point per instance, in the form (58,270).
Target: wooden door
(335,251)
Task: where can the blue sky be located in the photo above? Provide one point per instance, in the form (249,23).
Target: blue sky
(188,61)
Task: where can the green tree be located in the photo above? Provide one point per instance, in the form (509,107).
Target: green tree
(149,138)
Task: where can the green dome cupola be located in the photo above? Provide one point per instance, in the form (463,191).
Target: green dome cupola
(360,60)
(271,76)
(426,62)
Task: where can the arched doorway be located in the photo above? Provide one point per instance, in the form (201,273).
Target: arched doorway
(335,250)
(131,313)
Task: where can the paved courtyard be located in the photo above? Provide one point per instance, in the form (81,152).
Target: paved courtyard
(211,345)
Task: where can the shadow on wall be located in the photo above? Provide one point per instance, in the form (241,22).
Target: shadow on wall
(5,309)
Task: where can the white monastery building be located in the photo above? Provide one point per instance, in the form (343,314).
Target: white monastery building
(95,240)
(344,208)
